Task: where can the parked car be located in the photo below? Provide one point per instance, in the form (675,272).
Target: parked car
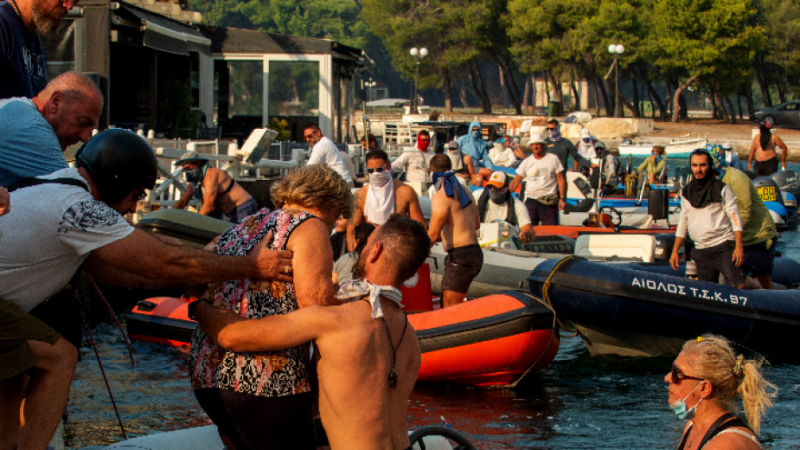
(783,115)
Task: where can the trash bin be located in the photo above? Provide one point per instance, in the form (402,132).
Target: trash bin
(554,108)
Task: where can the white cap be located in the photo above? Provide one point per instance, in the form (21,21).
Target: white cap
(498,179)
(537,139)
(727,146)
(585,133)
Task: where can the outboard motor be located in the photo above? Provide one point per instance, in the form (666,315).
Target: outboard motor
(664,244)
(768,190)
(787,181)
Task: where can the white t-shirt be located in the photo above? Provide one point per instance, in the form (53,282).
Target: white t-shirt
(416,165)
(495,211)
(49,232)
(326,152)
(540,175)
(711,225)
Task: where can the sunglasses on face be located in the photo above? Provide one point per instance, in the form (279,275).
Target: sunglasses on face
(678,376)
(424,140)
(377,169)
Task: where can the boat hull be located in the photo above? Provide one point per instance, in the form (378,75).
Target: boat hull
(491,341)
(633,310)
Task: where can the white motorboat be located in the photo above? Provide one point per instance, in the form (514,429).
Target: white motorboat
(675,148)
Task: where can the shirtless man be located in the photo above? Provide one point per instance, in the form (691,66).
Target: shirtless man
(454,219)
(382,197)
(215,189)
(369,355)
(763,151)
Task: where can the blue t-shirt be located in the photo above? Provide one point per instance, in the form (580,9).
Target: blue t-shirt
(29,146)
(23,64)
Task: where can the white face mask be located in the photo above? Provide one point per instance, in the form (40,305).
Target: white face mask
(379,179)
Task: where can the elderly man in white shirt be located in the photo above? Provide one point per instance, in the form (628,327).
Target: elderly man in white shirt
(324,151)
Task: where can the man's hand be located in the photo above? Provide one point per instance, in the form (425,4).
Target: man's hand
(526,236)
(272,264)
(5,201)
(213,320)
(673,260)
(561,204)
(738,256)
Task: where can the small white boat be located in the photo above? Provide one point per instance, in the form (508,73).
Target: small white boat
(675,149)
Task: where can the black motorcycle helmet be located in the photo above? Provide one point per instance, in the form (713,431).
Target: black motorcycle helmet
(119,161)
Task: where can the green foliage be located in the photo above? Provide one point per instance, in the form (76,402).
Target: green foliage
(282,127)
(175,115)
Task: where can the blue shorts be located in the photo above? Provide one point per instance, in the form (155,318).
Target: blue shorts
(758,258)
(239,213)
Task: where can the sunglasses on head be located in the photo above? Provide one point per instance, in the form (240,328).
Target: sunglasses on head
(678,376)
(377,169)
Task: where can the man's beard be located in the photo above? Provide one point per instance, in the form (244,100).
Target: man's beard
(359,271)
(47,20)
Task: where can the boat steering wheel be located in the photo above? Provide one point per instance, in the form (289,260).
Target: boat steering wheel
(618,221)
(450,436)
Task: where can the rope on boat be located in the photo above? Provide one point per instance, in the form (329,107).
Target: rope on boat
(546,296)
(549,339)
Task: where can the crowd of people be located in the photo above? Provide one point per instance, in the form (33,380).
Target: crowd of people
(278,280)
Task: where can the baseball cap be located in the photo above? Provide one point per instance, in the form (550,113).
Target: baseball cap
(498,179)
(727,146)
(537,139)
(600,144)
(585,133)
(452,144)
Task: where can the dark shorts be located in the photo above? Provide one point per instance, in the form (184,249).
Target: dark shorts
(765,168)
(17,327)
(238,214)
(540,213)
(758,258)
(718,259)
(254,422)
(461,266)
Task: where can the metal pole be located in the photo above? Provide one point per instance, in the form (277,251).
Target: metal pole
(617,105)
(416,84)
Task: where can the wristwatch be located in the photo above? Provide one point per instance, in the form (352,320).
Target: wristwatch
(190,310)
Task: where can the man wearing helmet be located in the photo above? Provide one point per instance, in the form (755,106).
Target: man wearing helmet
(73,217)
(217,191)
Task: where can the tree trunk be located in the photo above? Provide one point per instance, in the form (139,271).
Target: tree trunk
(612,100)
(636,104)
(662,110)
(714,104)
(479,87)
(559,92)
(504,92)
(575,95)
(679,103)
(462,94)
(547,87)
(751,107)
(534,92)
(600,83)
(670,98)
(511,86)
(781,92)
(730,108)
(764,86)
(448,94)
(629,105)
(739,106)
(596,98)
(526,94)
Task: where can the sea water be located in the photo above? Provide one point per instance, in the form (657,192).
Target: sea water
(577,402)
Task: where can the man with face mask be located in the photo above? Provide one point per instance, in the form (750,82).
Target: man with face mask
(381,197)
(654,164)
(217,191)
(23,63)
(473,146)
(732,158)
(710,215)
(495,202)
(563,148)
(415,162)
(762,150)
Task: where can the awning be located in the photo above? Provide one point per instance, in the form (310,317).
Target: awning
(160,32)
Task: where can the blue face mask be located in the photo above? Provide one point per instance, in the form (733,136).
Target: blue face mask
(656,156)
(476,134)
(193,175)
(679,406)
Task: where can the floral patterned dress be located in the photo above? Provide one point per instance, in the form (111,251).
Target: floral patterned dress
(267,374)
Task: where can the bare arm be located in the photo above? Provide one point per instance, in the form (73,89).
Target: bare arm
(275,332)
(512,187)
(5,201)
(210,190)
(527,233)
(356,220)
(562,190)
(673,259)
(439,213)
(311,247)
(149,262)
(753,148)
(185,198)
(414,210)
(784,150)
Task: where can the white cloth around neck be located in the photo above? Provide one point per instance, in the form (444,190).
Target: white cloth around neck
(354,289)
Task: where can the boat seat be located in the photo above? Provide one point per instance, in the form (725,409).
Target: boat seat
(616,245)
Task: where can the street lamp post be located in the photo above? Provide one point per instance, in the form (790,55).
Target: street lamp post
(367,95)
(617,50)
(417,54)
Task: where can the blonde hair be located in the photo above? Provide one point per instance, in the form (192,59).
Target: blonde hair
(316,186)
(712,358)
